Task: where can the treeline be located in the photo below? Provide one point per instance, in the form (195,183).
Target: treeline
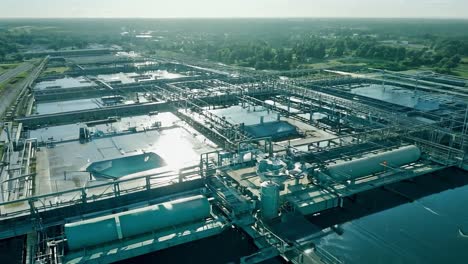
(444,55)
(12,44)
(18,38)
(6,47)
(261,44)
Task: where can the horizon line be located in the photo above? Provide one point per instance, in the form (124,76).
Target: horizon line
(236,17)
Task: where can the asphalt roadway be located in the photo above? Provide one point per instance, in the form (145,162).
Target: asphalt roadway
(8,95)
(14,72)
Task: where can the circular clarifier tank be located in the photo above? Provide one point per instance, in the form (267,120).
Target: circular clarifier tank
(120,167)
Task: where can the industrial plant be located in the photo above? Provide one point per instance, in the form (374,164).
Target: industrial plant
(126,155)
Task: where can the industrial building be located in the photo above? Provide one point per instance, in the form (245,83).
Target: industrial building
(128,156)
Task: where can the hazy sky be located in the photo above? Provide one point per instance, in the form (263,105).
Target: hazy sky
(234,8)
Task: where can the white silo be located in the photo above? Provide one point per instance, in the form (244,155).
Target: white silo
(269,200)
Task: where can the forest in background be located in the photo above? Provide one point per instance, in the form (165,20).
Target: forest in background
(276,44)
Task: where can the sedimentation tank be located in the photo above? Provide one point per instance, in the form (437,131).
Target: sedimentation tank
(134,222)
(373,164)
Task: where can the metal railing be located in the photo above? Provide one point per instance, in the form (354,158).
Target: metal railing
(40,203)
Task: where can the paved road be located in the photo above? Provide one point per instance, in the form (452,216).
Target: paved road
(13,72)
(8,95)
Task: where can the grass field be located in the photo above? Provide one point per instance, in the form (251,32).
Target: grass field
(22,75)
(324,64)
(462,69)
(8,84)
(55,70)
(13,81)
(6,67)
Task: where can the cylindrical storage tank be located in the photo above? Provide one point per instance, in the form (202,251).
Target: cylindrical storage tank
(91,232)
(164,215)
(269,200)
(134,222)
(262,166)
(373,164)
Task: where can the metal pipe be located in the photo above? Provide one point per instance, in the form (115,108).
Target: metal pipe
(373,164)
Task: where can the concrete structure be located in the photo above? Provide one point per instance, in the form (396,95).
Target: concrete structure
(266,153)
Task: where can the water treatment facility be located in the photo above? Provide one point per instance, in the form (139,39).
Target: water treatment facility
(125,158)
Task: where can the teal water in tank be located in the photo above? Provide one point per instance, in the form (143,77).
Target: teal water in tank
(119,167)
(430,230)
